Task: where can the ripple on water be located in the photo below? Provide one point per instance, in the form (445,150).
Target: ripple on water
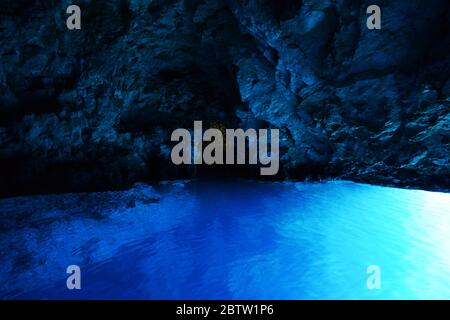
(240,240)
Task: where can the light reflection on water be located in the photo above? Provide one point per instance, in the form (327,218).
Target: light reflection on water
(230,240)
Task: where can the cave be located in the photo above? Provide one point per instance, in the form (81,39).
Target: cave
(91,198)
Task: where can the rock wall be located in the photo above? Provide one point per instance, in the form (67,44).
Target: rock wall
(94,109)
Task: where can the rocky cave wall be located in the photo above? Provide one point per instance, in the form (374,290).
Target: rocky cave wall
(94,109)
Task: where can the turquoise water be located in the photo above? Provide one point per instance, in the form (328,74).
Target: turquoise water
(229,240)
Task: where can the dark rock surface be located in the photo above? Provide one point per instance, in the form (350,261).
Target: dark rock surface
(94,109)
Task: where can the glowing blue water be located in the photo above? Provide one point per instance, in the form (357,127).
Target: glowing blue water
(241,240)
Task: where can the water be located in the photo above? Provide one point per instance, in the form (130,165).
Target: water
(229,240)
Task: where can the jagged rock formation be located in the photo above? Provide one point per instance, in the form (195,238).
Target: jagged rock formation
(94,109)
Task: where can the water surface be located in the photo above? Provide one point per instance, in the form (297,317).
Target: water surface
(228,240)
